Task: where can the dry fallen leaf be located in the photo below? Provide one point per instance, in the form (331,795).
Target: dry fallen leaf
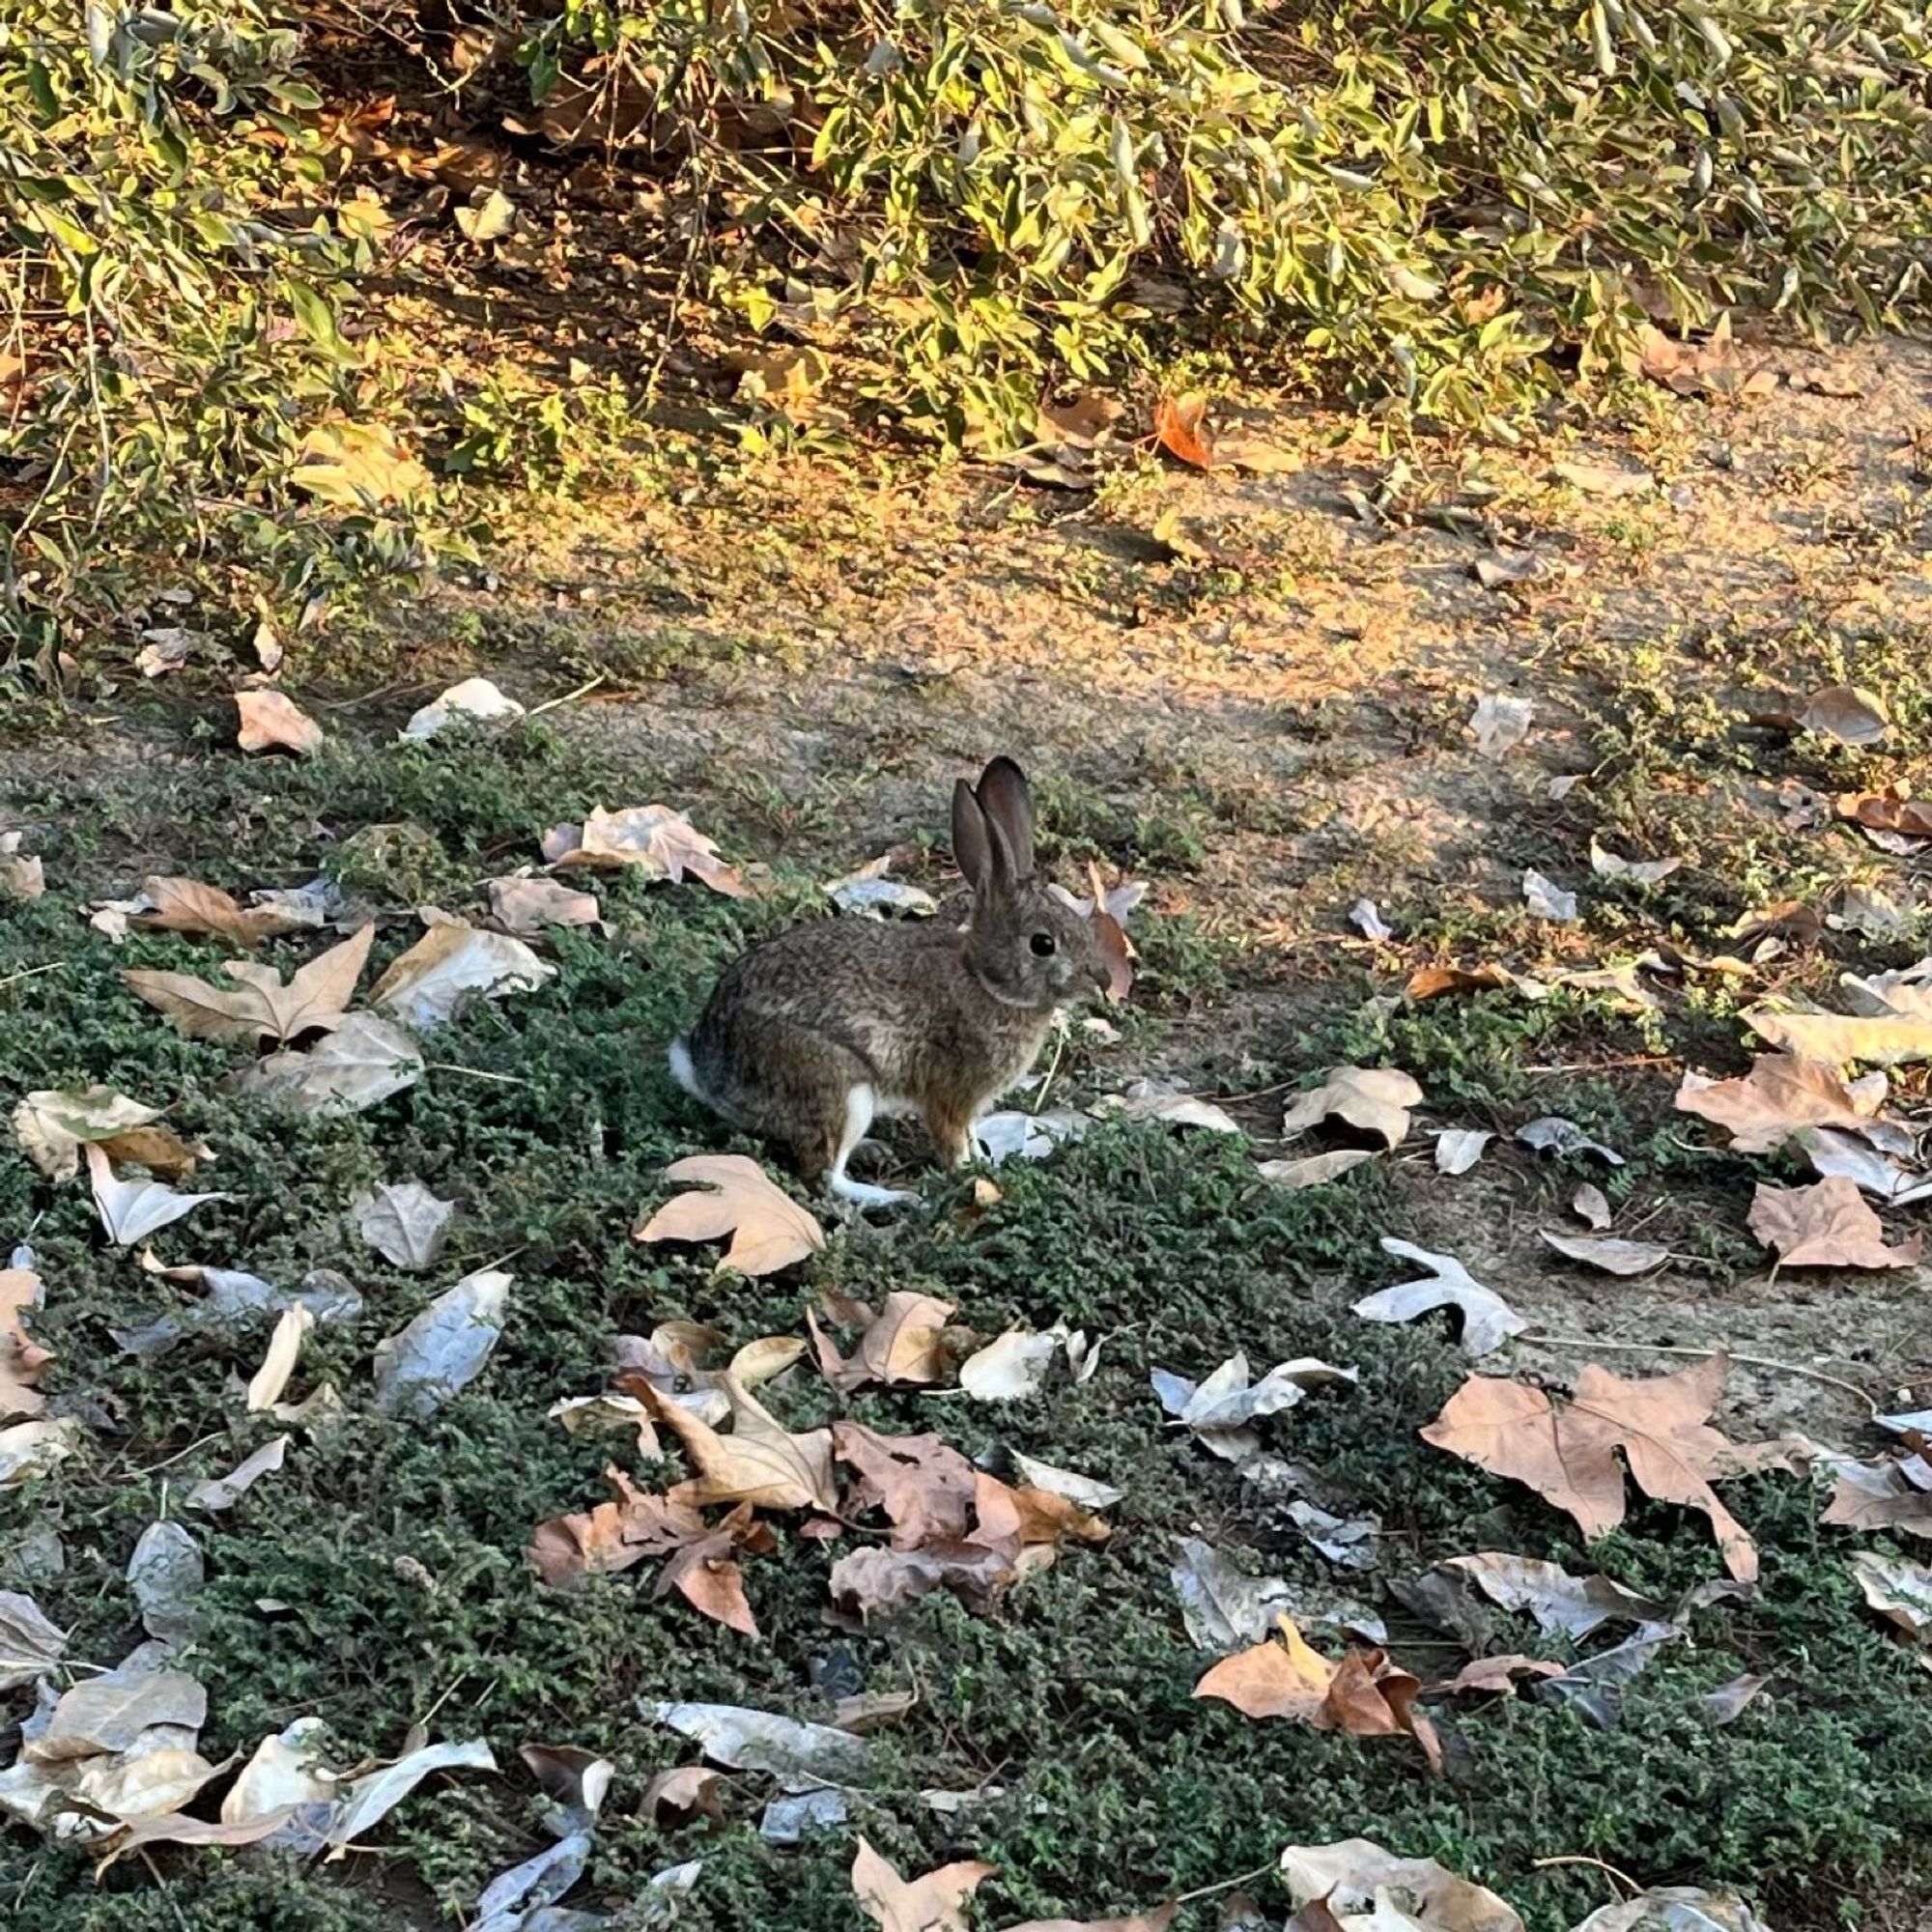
(657,839)
(188,905)
(1613,1257)
(1846,713)
(1591,1206)
(22,1359)
(1157,1921)
(934,1902)
(404,1222)
(52,1125)
(1181,428)
(269,722)
(219,1492)
(31,1646)
(1881,1040)
(1607,865)
(450,962)
(1545,900)
(1601,479)
(445,1349)
(1675,1908)
(1365,1694)
(1315,1170)
(801,1756)
(1488,1319)
(614,1535)
(1496,1674)
(259,1006)
(903,1345)
(474,697)
(1459,1149)
(1558,1601)
(1432,983)
(1826,1225)
(363,1061)
(1501,723)
(734,1196)
(1012,1366)
(1779,1096)
(20,876)
(1899,1589)
(760,1462)
(130,1210)
(1367,1889)
(1891,1494)
(1890,811)
(1376,1099)
(1568,1454)
(292,1328)
(527,906)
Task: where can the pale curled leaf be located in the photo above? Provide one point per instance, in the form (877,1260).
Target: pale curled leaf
(934,1902)
(655,840)
(1488,1319)
(1459,1149)
(219,1492)
(364,1060)
(1613,1257)
(1501,723)
(1013,1366)
(474,697)
(53,1126)
(1558,1601)
(1366,1886)
(799,1755)
(369,1800)
(1376,1099)
(271,1378)
(526,907)
(450,963)
(1316,1170)
(130,1210)
(404,1222)
(445,1349)
(268,720)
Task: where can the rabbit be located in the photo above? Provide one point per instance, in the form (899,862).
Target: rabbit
(811,1033)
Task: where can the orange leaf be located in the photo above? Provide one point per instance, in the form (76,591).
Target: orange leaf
(1181,428)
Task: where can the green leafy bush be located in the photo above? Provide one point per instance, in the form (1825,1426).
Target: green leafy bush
(1437,205)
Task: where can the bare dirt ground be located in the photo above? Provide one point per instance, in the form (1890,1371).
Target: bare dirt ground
(1254,691)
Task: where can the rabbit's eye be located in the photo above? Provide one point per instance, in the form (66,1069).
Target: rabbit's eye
(1042,943)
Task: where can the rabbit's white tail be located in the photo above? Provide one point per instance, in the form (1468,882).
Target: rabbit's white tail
(682,1070)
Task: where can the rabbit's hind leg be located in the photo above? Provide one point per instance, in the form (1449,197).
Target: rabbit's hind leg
(861,1102)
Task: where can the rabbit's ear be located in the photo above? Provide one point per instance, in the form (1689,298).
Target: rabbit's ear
(972,845)
(1008,803)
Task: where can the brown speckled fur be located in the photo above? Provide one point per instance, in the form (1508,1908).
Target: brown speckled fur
(936,1020)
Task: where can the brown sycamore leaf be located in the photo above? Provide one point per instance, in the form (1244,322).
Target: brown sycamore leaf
(760,1462)
(612,1536)
(927,1490)
(269,722)
(188,905)
(769,1230)
(1364,1696)
(657,839)
(1569,1455)
(1359,1886)
(1778,1097)
(1826,1225)
(1877,1040)
(706,1573)
(935,1902)
(902,1344)
(1889,811)
(22,1359)
(1891,1494)
(259,1006)
(684,1794)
